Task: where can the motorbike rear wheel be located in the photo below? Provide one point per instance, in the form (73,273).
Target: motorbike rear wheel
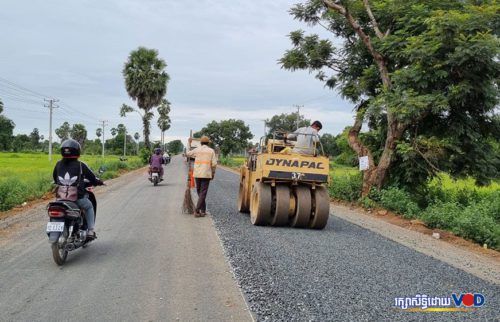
(58,253)
(155,182)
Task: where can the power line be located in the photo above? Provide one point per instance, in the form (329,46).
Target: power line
(77,111)
(10,109)
(17,93)
(6,93)
(21,88)
(22,100)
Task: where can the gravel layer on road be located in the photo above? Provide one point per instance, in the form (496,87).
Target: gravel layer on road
(341,273)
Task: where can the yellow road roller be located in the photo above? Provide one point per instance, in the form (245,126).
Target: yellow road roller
(281,187)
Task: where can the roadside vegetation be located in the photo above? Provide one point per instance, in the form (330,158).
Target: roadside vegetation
(28,176)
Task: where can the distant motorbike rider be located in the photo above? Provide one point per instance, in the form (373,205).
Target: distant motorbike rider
(70,172)
(156,160)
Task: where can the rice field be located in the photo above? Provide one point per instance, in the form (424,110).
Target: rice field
(27,176)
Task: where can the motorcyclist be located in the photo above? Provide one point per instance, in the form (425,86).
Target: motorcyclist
(69,171)
(156,160)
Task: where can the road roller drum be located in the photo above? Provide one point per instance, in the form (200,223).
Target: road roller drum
(279,187)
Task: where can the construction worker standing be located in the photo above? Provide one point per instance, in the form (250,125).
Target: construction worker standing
(204,170)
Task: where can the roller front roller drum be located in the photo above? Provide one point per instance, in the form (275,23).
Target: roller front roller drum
(321,208)
(260,204)
(302,213)
(279,217)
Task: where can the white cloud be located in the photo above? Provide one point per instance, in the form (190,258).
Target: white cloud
(221,55)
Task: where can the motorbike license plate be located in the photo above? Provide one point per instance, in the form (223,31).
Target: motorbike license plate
(55,226)
(155,174)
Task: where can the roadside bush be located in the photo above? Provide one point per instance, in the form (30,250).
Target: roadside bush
(40,186)
(441,216)
(478,222)
(399,201)
(144,155)
(367,203)
(347,159)
(12,192)
(346,187)
(493,205)
(463,192)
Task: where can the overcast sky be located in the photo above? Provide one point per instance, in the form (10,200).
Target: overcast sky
(221,57)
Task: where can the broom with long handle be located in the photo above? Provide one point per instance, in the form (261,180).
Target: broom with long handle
(188,205)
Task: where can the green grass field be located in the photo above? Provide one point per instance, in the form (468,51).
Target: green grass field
(27,176)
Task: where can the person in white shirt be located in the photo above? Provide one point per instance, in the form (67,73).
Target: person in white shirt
(306,138)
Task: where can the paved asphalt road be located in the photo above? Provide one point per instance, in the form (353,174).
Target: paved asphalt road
(152,263)
(149,263)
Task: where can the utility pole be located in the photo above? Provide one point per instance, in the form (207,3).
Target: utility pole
(51,106)
(298,113)
(103,124)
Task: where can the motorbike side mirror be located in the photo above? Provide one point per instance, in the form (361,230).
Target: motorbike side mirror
(101,170)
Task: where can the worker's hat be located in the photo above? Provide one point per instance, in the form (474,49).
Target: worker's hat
(205,139)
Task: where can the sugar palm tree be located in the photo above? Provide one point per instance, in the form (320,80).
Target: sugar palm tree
(146,83)
(163,119)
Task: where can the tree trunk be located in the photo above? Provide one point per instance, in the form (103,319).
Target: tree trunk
(146,124)
(361,150)
(375,175)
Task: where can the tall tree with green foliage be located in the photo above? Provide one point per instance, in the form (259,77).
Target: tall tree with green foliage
(285,122)
(6,130)
(424,76)
(35,138)
(79,133)
(163,119)
(63,132)
(228,135)
(21,142)
(329,144)
(146,83)
(175,147)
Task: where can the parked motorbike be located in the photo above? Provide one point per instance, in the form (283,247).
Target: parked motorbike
(67,227)
(154,175)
